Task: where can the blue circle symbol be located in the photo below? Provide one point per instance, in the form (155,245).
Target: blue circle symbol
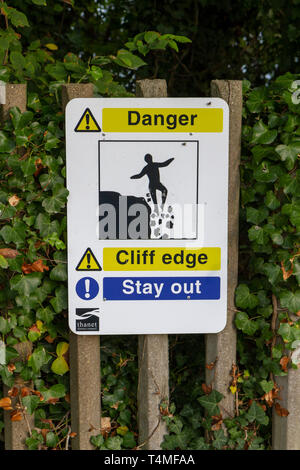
(87,288)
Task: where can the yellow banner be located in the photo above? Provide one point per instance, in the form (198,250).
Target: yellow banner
(161,259)
(162,120)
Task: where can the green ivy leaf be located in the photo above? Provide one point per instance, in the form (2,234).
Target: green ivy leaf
(17,18)
(33,101)
(30,402)
(272,271)
(266,173)
(210,402)
(26,284)
(6,144)
(38,358)
(59,366)
(40,2)
(45,226)
(59,273)
(51,439)
(17,60)
(97,441)
(262,134)
(271,201)
(129,440)
(289,153)
(286,332)
(243,297)
(290,300)
(58,200)
(60,301)
(4,326)
(255,102)
(45,314)
(242,322)
(256,216)
(56,391)
(220,440)
(15,233)
(114,443)
(267,385)
(3,262)
(256,413)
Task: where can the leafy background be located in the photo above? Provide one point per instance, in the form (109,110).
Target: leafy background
(35,43)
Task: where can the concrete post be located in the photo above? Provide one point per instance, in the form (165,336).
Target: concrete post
(13,95)
(85,381)
(16,432)
(221,347)
(153,353)
(286,430)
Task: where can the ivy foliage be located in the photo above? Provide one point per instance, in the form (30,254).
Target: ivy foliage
(232,39)
(33,263)
(268,295)
(33,294)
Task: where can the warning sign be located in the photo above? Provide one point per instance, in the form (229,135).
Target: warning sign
(87,123)
(88,262)
(147,215)
(161,259)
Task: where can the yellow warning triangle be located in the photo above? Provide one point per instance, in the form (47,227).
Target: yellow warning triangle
(87,123)
(88,262)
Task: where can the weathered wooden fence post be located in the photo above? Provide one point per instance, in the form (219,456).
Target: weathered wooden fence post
(221,347)
(16,431)
(286,430)
(153,350)
(85,379)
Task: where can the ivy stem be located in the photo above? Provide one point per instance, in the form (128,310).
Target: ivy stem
(273,327)
(24,413)
(6,25)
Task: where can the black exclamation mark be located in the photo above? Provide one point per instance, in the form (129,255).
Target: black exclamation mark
(87,118)
(88,260)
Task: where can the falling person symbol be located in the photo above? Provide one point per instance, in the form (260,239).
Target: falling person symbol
(152,171)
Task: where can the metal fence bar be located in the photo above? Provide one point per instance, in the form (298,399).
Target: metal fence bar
(15,432)
(221,347)
(153,350)
(85,381)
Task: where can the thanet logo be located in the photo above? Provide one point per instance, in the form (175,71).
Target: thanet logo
(89,319)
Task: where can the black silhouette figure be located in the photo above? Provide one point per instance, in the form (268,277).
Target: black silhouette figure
(152,171)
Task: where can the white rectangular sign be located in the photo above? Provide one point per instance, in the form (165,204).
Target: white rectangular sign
(147,215)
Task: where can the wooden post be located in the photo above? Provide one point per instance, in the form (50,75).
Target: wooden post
(13,95)
(221,347)
(286,430)
(153,352)
(16,432)
(85,382)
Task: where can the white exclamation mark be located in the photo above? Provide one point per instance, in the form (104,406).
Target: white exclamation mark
(87,288)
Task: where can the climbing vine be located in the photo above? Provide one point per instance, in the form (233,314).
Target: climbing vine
(33,273)
(33,276)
